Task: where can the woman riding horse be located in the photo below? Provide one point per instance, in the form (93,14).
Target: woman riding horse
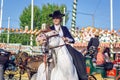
(78,58)
(65,34)
(64,68)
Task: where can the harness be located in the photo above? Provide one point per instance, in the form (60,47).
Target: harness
(48,57)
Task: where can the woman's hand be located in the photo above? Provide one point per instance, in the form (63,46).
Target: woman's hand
(65,39)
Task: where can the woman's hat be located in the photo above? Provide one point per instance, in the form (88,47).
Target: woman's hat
(56,13)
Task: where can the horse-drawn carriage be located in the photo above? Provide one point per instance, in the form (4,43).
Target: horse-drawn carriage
(102,74)
(19,66)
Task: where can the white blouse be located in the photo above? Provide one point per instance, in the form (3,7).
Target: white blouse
(59,30)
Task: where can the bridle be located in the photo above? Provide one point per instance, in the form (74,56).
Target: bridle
(48,37)
(46,51)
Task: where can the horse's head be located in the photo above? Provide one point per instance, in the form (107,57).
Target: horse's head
(50,39)
(21,58)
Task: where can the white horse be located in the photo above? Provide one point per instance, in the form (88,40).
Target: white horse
(64,68)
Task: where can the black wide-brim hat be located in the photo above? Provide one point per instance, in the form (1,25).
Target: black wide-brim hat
(56,13)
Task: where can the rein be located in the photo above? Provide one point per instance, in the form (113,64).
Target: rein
(46,58)
(57,46)
(52,36)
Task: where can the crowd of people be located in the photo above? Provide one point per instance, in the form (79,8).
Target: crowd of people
(84,35)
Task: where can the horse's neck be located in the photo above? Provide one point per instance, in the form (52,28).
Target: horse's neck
(61,45)
(62,50)
(61,42)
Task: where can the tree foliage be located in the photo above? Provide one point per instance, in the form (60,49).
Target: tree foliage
(25,17)
(40,15)
(23,39)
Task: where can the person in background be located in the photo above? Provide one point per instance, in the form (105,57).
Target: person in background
(11,64)
(93,45)
(78,58)
(1,71)
(4,58)
(103,59)
(107,54)
(100,58)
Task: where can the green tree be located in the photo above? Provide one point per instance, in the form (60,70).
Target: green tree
(3,37)
(40,15)
(25,17)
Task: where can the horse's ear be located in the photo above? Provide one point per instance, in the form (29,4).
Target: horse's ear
(38,32)
(42,31)
(47,30)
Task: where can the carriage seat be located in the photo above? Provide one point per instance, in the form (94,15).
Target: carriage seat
(101,70)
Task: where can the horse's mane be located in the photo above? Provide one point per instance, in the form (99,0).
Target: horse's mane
(43,31)
(46,30)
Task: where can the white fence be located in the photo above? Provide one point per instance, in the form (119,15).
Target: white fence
(15,48)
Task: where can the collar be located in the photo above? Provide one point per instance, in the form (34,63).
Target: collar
(57,27)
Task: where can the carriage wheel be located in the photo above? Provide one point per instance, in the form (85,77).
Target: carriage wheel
(91,77)
(118,77)
(7,78)
(12,79)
